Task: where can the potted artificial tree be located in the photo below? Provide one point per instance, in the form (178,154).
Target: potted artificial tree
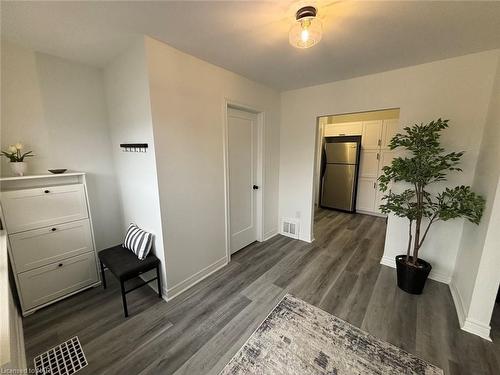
(425,163)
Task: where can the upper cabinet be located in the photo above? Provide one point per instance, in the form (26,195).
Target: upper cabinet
(372,134)
(390,129)
(346,128)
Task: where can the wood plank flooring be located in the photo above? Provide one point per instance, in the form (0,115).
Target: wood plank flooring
(199,331)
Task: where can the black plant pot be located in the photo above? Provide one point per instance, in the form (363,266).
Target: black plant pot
(412,279)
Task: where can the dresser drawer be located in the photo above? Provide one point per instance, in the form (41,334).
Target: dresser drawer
(40,207)
(39,247)
(48,283)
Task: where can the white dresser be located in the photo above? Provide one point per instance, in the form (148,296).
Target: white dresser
(51,241)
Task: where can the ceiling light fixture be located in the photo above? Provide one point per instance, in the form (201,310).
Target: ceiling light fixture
(307,30)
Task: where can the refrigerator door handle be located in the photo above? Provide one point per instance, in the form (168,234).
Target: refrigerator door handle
(323,162)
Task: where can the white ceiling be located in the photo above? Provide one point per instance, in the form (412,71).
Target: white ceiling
(251,37)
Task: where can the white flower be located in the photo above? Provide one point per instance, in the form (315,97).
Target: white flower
(19,146)
(12,149)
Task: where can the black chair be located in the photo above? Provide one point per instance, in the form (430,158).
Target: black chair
(125,265)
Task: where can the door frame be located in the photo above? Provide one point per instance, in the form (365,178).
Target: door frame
(318,141)
(259,195)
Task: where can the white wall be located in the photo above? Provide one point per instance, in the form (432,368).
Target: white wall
(187,98)
(57,109)
(12,354)
(476,277)
(129,110)
(13,346)
(458,89)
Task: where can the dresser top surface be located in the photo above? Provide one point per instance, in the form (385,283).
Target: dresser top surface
(38,176)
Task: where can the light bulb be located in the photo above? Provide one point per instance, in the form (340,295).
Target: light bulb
(304,35)
(307,30)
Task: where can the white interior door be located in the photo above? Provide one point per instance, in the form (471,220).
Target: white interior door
(242,152)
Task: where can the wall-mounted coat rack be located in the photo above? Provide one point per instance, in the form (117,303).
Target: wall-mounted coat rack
(134,147)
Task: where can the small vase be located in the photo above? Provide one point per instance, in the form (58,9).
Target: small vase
(19,168)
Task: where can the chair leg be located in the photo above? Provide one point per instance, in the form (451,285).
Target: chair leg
(103,276)
(159,282)
(124,298)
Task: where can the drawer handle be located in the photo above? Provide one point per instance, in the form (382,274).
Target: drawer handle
(60,265)
(47,191)
(53,229)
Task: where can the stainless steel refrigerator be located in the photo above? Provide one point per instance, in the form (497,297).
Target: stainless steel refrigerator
(340,166)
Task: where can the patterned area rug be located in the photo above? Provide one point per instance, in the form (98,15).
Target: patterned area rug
(300,339)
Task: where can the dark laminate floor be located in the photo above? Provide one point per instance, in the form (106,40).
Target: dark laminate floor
(199,331)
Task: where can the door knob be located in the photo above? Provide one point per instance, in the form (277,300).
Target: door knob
(255,187)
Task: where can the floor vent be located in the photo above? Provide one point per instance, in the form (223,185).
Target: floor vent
(290,227)
(64,359)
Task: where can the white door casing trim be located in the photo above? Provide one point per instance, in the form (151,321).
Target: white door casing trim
(259,194)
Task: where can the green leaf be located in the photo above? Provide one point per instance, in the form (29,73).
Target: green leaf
(460,201)
(426,162)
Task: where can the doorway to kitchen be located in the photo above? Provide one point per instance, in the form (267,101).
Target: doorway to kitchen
(343,180)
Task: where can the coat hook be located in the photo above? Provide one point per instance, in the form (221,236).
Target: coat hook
(134,147)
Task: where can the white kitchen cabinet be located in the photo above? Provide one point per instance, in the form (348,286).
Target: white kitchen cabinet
(379,200)
(390,128)
(369,163)
(366,194)
(341,129)
(386,157)
(372,134)
(51,241)
(374,156)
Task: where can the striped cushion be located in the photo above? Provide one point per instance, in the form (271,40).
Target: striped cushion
(138,241)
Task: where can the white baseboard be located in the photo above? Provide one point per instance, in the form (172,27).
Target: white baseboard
(195,279)
(477,328)
(442,278)
(468,324)
(371,213)
(21,351)
(153,284)
(270,234)
(459,303)
(307,239)
(20,343)
(13,355)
